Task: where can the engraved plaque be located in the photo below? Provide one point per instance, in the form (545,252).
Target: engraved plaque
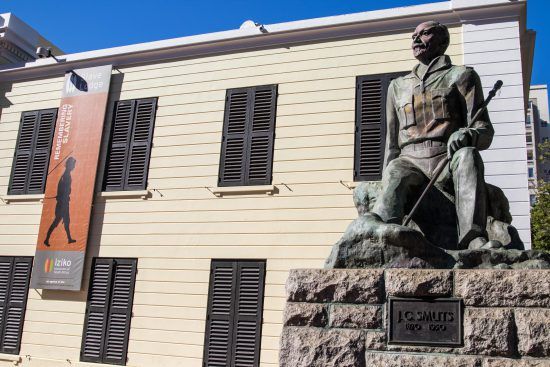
(429,322)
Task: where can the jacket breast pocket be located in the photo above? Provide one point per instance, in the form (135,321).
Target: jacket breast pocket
(441,103)
(406,113)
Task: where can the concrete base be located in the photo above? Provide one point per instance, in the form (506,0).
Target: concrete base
(338,317)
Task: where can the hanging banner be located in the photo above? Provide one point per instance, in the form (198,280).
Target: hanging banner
(65,221)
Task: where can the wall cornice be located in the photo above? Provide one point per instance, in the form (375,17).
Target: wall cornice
(279,35)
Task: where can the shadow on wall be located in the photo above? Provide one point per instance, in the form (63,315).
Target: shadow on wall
(4,101)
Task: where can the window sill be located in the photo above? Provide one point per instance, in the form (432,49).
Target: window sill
(15,358)
(93,364)
(244,190)
(22,198)
(142,194)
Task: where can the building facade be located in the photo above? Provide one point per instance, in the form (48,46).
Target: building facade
(18,41)
(538,132)
(227,159)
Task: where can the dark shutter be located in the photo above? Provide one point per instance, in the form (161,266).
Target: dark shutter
(96,311)
(118,147)
(32,152)
(108,311)
(140,145)
(234,315)
(248,135)
(370,125)
(130,145)
(120,312)
(14,287)
(41,156)
(218,339)
(248,314)
(262,133)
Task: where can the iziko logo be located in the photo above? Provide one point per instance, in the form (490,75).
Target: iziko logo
(61,264)
(48,265)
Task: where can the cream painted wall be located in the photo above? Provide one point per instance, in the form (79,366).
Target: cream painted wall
(183,225)
(493,49)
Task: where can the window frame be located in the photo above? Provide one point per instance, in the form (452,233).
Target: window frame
(233,316)
(112,262)
(124,185)
(248,135)
(33,151)
(23,306)
(385,79)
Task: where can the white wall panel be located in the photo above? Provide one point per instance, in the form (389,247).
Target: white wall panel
(494,51)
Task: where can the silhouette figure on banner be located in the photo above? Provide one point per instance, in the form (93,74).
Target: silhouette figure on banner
(62,206)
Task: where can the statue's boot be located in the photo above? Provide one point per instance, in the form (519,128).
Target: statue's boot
(483,243)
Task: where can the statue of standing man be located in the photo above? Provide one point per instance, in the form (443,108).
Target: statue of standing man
(428,116)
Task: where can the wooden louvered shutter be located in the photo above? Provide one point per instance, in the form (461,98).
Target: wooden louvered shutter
(370,125)
(95,323)
(120,311)
(247,326)
(127,164)
(115,170)
(6,264)
(218,336)
(234,315)
(248,134)
(14,287)
(41,155)
(108,311)
(261,136)
(233,155)
(140,144)
(32,153)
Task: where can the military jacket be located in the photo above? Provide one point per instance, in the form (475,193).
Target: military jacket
(429,104)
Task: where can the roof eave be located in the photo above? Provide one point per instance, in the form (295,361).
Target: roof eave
(279,35)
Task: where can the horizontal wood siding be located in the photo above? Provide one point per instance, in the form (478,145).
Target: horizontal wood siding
(494,51)
(176,232)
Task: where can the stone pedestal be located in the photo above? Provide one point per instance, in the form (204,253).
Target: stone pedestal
(339,317)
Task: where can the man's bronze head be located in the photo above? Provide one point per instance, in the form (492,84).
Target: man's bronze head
(430,40)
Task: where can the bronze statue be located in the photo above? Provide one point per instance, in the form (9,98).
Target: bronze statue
(428,113)
(437,122)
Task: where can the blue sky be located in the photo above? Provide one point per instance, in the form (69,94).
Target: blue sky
(85,25)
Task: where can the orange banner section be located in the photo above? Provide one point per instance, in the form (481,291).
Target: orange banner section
(65,221)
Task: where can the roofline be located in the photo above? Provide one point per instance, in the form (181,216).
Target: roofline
(281,34)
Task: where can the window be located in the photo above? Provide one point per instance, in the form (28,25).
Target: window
(130,144)
(370,125)
(234,315)
(248,133)
(528,138)
(529,155)
(15,273)
(108,311)
(530,172)
(528,118)
(543,123)
(32,152)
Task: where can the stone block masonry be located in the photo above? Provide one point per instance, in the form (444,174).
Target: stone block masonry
(339,317)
